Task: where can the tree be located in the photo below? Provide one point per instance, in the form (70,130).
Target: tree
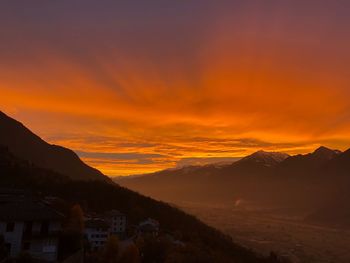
(76,220)
(111,251)
(130,255)
(72,237)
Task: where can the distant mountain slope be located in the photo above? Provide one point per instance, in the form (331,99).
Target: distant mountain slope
(28,146)
(208,183)
(339,165)
(267,178)
(264,158)
(337,210)
(311,161)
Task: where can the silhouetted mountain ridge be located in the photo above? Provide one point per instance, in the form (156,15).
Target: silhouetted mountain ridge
(28,146)
(324,152)
(308,166)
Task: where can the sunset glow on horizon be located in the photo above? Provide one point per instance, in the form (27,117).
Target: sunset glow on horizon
(136,88)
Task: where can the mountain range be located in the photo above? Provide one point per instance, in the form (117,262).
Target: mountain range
(314,182)
(318,181)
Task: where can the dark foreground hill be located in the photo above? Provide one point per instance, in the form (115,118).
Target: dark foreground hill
(204,244)
(28,146)
(29,163)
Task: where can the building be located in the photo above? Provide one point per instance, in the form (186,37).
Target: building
(149,227)
(96,232)
(29,225)
(117,222)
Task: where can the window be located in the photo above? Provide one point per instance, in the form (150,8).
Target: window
(26,245)
(44,230)
(10,227)
(28,228)
(8,247)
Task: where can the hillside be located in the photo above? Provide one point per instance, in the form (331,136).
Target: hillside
(204,244)
(28,146)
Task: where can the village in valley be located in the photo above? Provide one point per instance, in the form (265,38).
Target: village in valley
(48,229)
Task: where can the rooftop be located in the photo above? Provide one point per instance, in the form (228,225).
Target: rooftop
(114,213)
(96,223)
(27,210)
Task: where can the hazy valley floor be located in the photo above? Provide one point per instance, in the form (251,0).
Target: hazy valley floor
(288,236)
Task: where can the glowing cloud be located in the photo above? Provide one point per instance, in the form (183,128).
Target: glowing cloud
(136,89)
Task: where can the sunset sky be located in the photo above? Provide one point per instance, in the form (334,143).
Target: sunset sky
(139,86)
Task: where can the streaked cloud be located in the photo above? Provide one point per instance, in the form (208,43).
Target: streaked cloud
(138,88)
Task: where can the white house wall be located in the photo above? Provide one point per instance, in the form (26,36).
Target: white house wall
(14,238)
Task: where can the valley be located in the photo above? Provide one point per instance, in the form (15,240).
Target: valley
(287,235)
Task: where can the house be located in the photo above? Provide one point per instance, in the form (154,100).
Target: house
(149,227)
(117,222)
(29,225)
(96,232)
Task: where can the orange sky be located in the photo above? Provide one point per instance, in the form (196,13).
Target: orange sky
(135,89)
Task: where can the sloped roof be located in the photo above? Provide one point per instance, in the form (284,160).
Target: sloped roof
(96,223)
(27,210)
(148,228)
(114,213)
